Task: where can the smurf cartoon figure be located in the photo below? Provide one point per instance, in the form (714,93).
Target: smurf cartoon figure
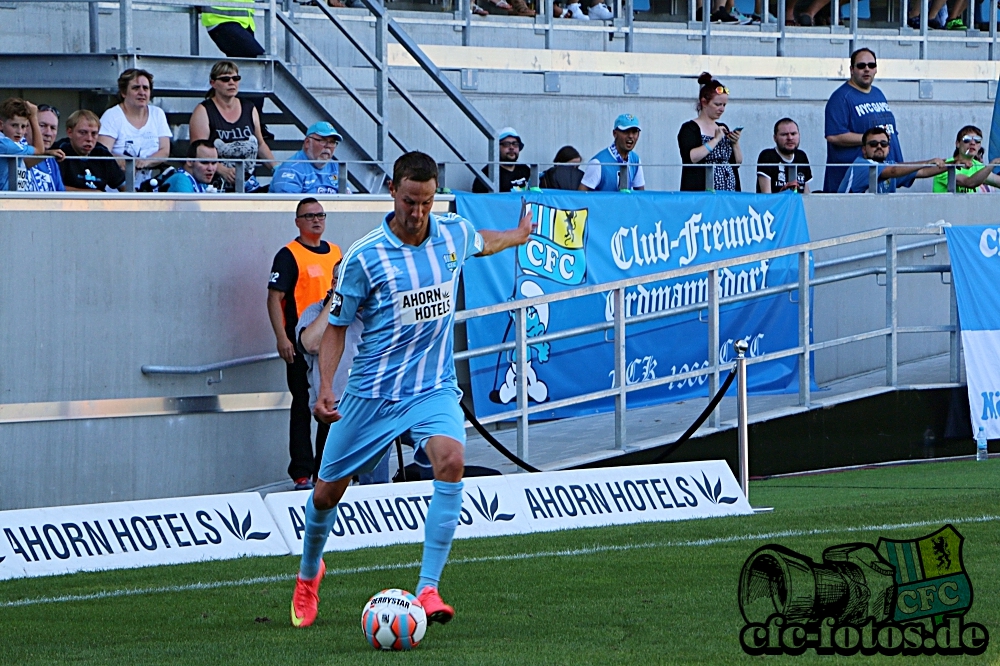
(537,323)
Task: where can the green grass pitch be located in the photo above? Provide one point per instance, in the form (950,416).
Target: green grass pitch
(657,593)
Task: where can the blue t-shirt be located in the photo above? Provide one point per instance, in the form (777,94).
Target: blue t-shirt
(8,148)
(304,178)
(46,177)
(182,181)
(405,297)
(856,177)
(850,110)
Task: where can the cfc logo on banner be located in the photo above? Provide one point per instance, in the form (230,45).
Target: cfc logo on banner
(556,250)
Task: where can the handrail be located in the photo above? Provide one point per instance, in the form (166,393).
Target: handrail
(210,367)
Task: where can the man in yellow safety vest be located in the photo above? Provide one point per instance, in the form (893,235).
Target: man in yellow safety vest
(231,28)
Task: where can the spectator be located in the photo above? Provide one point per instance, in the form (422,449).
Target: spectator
(309,332)
(938,19)
(705,140)
(875,152)
(808,17)
(17,117)
(602,173)
(723,11)
(970,174)
(301,273)
(772,162)
(134,127)
(233,127)
(198,172)
(45,176)
(854,107)
(565,174)
(310,170)
(512,176)
(87,175)
(598,11)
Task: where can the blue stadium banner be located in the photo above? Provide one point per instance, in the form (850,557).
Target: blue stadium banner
(975,268)
(594,238)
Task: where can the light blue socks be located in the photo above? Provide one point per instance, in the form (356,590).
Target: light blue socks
(442,519)
(318,526)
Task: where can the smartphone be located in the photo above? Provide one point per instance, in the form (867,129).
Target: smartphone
(738,129)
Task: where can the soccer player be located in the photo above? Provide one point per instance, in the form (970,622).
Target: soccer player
(401,280)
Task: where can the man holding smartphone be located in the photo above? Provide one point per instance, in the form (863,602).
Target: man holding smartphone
(774,165)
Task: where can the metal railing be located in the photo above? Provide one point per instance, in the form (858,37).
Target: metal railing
(803,351)
(536,171)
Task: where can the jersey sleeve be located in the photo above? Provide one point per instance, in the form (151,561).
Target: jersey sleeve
(353,287)
(8,147)
(284,272)
(592,175)
(640,178)
(474,242)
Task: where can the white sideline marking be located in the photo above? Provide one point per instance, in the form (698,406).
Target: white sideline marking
(574,552)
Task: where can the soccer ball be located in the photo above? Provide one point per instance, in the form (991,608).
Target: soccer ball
(393,620)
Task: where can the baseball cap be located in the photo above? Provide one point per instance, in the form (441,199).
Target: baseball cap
(626,121)
(508,132)
(324,129)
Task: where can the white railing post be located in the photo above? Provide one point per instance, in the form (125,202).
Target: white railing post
(891,340)
(521,364)
(742,416)
(621,377)
(125,37)
(805,379)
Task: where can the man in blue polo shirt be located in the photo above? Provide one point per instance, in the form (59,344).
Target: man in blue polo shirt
(874,153)
(311,170)
(401,280)
(601,174)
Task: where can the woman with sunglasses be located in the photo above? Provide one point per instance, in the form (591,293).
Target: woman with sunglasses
(970,174)
(704,140)
(231,125)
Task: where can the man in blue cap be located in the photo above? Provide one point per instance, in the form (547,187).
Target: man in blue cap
(601,174)
(310,170)
(512,176)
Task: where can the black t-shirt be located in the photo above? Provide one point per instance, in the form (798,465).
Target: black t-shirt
(89,174)
(518,177)
(284,275)
(771,164)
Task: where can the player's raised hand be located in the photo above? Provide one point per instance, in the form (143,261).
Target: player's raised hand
(525,227)
(326,407)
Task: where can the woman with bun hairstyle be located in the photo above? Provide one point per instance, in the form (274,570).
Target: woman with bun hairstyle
(704,140)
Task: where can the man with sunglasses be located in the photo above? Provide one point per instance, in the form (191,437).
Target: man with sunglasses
(874,152)
(854,107)
(198,172)
(512,176)
(301,274)
(311,170)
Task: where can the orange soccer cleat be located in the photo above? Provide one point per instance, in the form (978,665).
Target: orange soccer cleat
(305,600)
(437,610)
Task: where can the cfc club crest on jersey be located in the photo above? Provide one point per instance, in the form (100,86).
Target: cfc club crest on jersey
(451,261)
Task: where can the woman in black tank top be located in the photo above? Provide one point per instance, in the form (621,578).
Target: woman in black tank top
(234,127)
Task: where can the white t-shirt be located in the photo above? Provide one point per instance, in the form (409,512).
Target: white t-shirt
(132,142)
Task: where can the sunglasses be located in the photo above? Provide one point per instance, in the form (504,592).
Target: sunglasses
(965,139)
(227,79)
(48,107)
(878,144)
(722,90)
(865,65)
(313,216)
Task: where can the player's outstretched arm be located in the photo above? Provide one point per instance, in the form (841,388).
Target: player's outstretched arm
(331,349)
(498,241)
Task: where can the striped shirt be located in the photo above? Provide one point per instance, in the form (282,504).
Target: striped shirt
(405,296)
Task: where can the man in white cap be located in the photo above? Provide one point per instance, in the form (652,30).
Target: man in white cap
(602,172)
(512,176)
(311,170)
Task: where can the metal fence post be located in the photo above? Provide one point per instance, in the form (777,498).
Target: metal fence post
(713,342)
(742,416)
(954,338)
(891,340)
(854,25)
(194,28)
(805,306)
(382,82)
(533,175)
(706,27)
(629,24)
(125,37)
(993,31)
(442,175)
(271,29)
(129,174)
(710,178)
(623,183)
(343,178)
(924,8)
(873,179)
(94,21)
(951,178)
(792,175)
(782,8)
(240,180)
(521,340)
(621,375)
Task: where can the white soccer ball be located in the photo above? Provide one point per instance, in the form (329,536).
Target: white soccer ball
(393,620)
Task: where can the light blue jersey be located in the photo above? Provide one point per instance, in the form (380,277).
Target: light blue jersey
(405,296)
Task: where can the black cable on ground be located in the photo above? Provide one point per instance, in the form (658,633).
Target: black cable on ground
(496,445)
(716,399)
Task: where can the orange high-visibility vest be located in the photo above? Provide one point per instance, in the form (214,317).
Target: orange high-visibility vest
(315,274)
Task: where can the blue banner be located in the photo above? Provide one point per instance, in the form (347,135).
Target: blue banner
(593,238)
(975,269)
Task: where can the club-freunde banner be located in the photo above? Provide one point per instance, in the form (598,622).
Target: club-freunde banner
(589,239)
(975,268)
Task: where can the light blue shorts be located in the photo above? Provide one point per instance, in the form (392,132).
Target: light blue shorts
(361,437)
